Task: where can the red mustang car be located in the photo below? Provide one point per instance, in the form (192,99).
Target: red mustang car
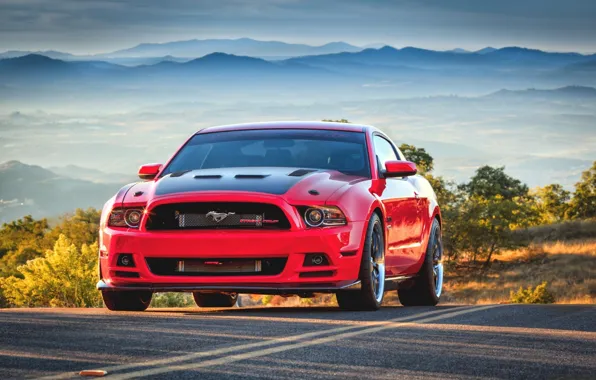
(290,208)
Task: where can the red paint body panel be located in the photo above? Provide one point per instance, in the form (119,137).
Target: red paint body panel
(406,205)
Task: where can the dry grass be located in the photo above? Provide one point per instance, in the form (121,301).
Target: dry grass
(565,231)
(569,268)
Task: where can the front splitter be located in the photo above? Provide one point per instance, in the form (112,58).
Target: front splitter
(236,288)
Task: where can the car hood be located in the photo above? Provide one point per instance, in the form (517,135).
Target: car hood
(293,184)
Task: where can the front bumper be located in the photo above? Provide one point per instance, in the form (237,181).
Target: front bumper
(341,245)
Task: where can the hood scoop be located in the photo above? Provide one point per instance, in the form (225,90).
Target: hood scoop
(251,176)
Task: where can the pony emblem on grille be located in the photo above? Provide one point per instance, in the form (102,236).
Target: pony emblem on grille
(218,216)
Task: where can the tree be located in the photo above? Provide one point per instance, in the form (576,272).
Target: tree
(81,227)
(21,240)
(64,277)
(490,182)
(337,121)
(551,202)
(484,213)
(419,156)
(444,190)
(25,231)
(583,203)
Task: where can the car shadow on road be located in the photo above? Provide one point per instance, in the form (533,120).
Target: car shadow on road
(318,312)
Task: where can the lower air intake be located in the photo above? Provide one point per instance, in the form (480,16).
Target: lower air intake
(216,267)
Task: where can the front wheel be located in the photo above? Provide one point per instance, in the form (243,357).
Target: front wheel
(372,272)
(127,300)
(215,299)
(428,284)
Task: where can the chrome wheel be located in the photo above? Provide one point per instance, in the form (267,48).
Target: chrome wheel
(377,263)
(437,255)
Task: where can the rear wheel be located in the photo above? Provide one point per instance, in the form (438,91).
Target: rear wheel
(372,272)
(127,300)
(215,299)
(427,286)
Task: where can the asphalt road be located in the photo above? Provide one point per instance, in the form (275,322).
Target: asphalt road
(448,342)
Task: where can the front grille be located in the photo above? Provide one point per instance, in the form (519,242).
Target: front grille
(216,267)
(217,215)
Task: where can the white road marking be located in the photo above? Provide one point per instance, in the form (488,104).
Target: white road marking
(391,324)
(225,350)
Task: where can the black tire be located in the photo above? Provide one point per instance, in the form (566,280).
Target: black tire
(369,296)
(421,291)
(215,299)
(127,300)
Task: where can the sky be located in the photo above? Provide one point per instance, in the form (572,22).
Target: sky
(95,26)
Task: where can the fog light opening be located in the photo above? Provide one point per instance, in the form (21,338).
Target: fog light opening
(126,260)
(315,260)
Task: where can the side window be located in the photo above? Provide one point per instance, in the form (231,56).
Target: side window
(384,151)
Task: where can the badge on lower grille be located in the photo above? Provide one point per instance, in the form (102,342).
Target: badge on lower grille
(218,216)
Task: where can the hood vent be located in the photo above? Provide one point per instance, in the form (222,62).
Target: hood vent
(301,172)
(179,174)
(208,176)
(251,176)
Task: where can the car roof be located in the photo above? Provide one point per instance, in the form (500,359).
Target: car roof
(334,126)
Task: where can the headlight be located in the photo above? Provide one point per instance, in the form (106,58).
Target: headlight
(319,216)
(125,217)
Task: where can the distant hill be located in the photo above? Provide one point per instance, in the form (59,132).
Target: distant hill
(36,70)
(562,92)
(47,53)
(30,189)
(423,58)
(243,46)
(92,175)
(458,50)
(485,50)
(34,62)
(517,55)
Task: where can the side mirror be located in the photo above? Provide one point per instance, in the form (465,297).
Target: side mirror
(149,171)
(399,169)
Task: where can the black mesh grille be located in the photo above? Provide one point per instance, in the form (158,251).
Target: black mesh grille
(216,267)
(217,215)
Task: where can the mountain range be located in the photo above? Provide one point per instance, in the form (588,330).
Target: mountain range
(190,49)
(181,51)
(383,63)
(36,81)
(243,46)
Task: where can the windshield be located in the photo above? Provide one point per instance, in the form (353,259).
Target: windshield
(314,149)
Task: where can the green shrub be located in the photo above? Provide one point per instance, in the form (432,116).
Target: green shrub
(172,300)
(266,299)
(539,294)
(64,277)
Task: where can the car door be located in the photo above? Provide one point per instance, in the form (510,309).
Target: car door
(403,222)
